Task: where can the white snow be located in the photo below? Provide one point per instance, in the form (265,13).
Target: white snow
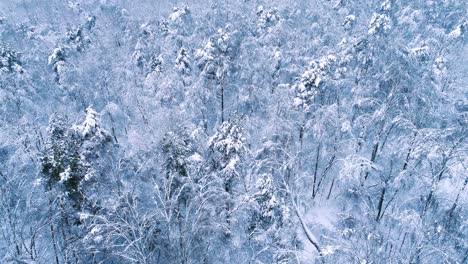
(456,33)
(196,158)
(65,176)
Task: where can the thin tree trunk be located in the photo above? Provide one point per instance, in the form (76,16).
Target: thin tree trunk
(455,203)
(222,103)
(373,157)
(310,236)
(181,237)
(315,170)
(380,206)
(325,171)
(331,187)
(52,231)
(403,241)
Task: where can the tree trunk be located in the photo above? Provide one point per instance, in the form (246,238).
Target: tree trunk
(52,231)
(222,103)
(310,236)
(373,157)
(315,170)
(331,187)
(380,206)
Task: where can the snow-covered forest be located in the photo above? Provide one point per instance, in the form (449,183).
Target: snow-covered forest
(243,131)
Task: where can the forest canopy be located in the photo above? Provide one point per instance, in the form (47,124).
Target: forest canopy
(242,131)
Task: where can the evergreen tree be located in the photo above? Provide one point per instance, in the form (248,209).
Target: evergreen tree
(9,61)
(214,62)
(227,150)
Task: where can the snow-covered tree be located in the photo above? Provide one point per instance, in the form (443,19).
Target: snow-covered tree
(264,196)
(61,164)
(180,160)
(214,62)
(313,80)
(266,19)
(355,113)
(227,151)
(9,61)
(228,147)
(182,62)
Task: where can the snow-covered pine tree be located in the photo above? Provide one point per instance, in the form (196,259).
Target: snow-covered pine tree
(96,148)
(179,159)
(72,156)
(266,19)
(264,196)
(227,150)
(228,147)
(61,162)
(313,80)
(9,61)
(214,62)
(57,60)
(182,62)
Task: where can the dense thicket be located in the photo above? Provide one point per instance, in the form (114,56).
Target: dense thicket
(233,131)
